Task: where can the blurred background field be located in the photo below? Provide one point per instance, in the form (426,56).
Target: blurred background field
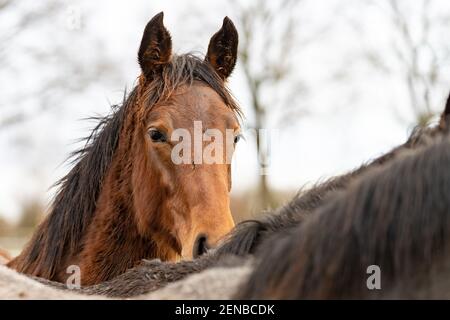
(336,83)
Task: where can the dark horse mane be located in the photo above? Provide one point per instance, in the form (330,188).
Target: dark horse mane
(395,216)
(75,202)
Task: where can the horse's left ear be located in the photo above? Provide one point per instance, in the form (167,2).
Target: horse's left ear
(222,49)
(156,47)
(445,116)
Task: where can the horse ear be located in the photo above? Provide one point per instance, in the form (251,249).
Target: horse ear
(222,49)
(445,116)
(156,47)
(447,107)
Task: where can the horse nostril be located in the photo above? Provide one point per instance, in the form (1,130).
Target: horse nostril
(200,246)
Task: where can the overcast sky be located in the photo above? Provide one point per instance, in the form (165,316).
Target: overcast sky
(349,120)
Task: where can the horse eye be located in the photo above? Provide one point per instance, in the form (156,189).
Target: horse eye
(157,136)
(237,138)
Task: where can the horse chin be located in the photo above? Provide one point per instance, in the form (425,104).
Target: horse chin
(173,257)
(186,255)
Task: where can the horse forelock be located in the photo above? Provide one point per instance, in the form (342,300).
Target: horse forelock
(184,70)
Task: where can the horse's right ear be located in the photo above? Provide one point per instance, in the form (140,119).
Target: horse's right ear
(156,47)
(223,49)
(445,117)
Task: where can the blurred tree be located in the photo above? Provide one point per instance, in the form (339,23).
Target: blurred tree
(50,55)
(417,51)
(46,70)
(268,43)
(5,227)
(32,213)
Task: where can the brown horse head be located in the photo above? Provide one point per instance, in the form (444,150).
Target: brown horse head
(145,186)
(191,194)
